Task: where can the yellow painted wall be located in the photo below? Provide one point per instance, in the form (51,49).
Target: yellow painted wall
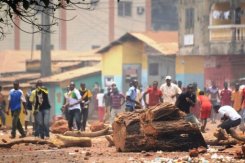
(130,52)
(112,61)
(133,53)
(144,61)
(9,118)
(189,64)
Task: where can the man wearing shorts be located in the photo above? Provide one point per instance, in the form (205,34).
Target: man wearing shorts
(206,107)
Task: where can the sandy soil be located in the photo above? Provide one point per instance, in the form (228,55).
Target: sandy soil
(100,152)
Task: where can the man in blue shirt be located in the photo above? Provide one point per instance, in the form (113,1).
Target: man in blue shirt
(15,98)
(131,97)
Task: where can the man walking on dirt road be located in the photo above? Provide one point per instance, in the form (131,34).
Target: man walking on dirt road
(15,98)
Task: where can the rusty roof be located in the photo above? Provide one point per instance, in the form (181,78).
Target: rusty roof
(24,76)
(165,42)
(7,88)
(14,61)
(69,75)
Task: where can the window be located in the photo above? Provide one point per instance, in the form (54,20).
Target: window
(189,18)
(153,69)
(124,8)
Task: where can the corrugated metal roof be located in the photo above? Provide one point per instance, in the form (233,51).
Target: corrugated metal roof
(165,42)
(22,85)
(70,75)
(14,61)
(27,76)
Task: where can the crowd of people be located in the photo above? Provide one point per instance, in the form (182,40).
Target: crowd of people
(199,105)
(36,109)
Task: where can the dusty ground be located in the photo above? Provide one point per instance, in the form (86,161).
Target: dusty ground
(100,152)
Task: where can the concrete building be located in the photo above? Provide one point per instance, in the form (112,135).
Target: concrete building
(213,33)
(66,66)
(145,56)
(56,85)
(99,25)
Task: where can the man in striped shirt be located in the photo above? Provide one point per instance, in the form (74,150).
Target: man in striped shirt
(117,100)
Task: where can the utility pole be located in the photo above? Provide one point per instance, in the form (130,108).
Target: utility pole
(46,46)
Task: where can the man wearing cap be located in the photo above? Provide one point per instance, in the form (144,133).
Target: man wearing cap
(113,85)
(170,91)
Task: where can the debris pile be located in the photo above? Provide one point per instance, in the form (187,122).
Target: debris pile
(59,126)
(161,127)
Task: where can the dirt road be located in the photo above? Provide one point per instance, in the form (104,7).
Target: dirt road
(100,152)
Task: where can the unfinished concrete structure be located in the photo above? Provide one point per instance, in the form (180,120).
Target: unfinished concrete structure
(101,24)
(214,29)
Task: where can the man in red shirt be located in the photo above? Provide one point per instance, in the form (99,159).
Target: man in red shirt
(225,95)
(155,95)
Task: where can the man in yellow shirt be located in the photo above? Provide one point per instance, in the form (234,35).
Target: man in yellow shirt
(86,97)
(32,100)
(236,98)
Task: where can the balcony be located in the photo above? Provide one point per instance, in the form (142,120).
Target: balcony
(227,33)
(227,39)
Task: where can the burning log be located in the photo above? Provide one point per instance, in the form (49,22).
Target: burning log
(159,128)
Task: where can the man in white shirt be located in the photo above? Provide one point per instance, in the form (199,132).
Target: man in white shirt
(131,96)
(229,116)
(74,108)
(101,105)
(170,91)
